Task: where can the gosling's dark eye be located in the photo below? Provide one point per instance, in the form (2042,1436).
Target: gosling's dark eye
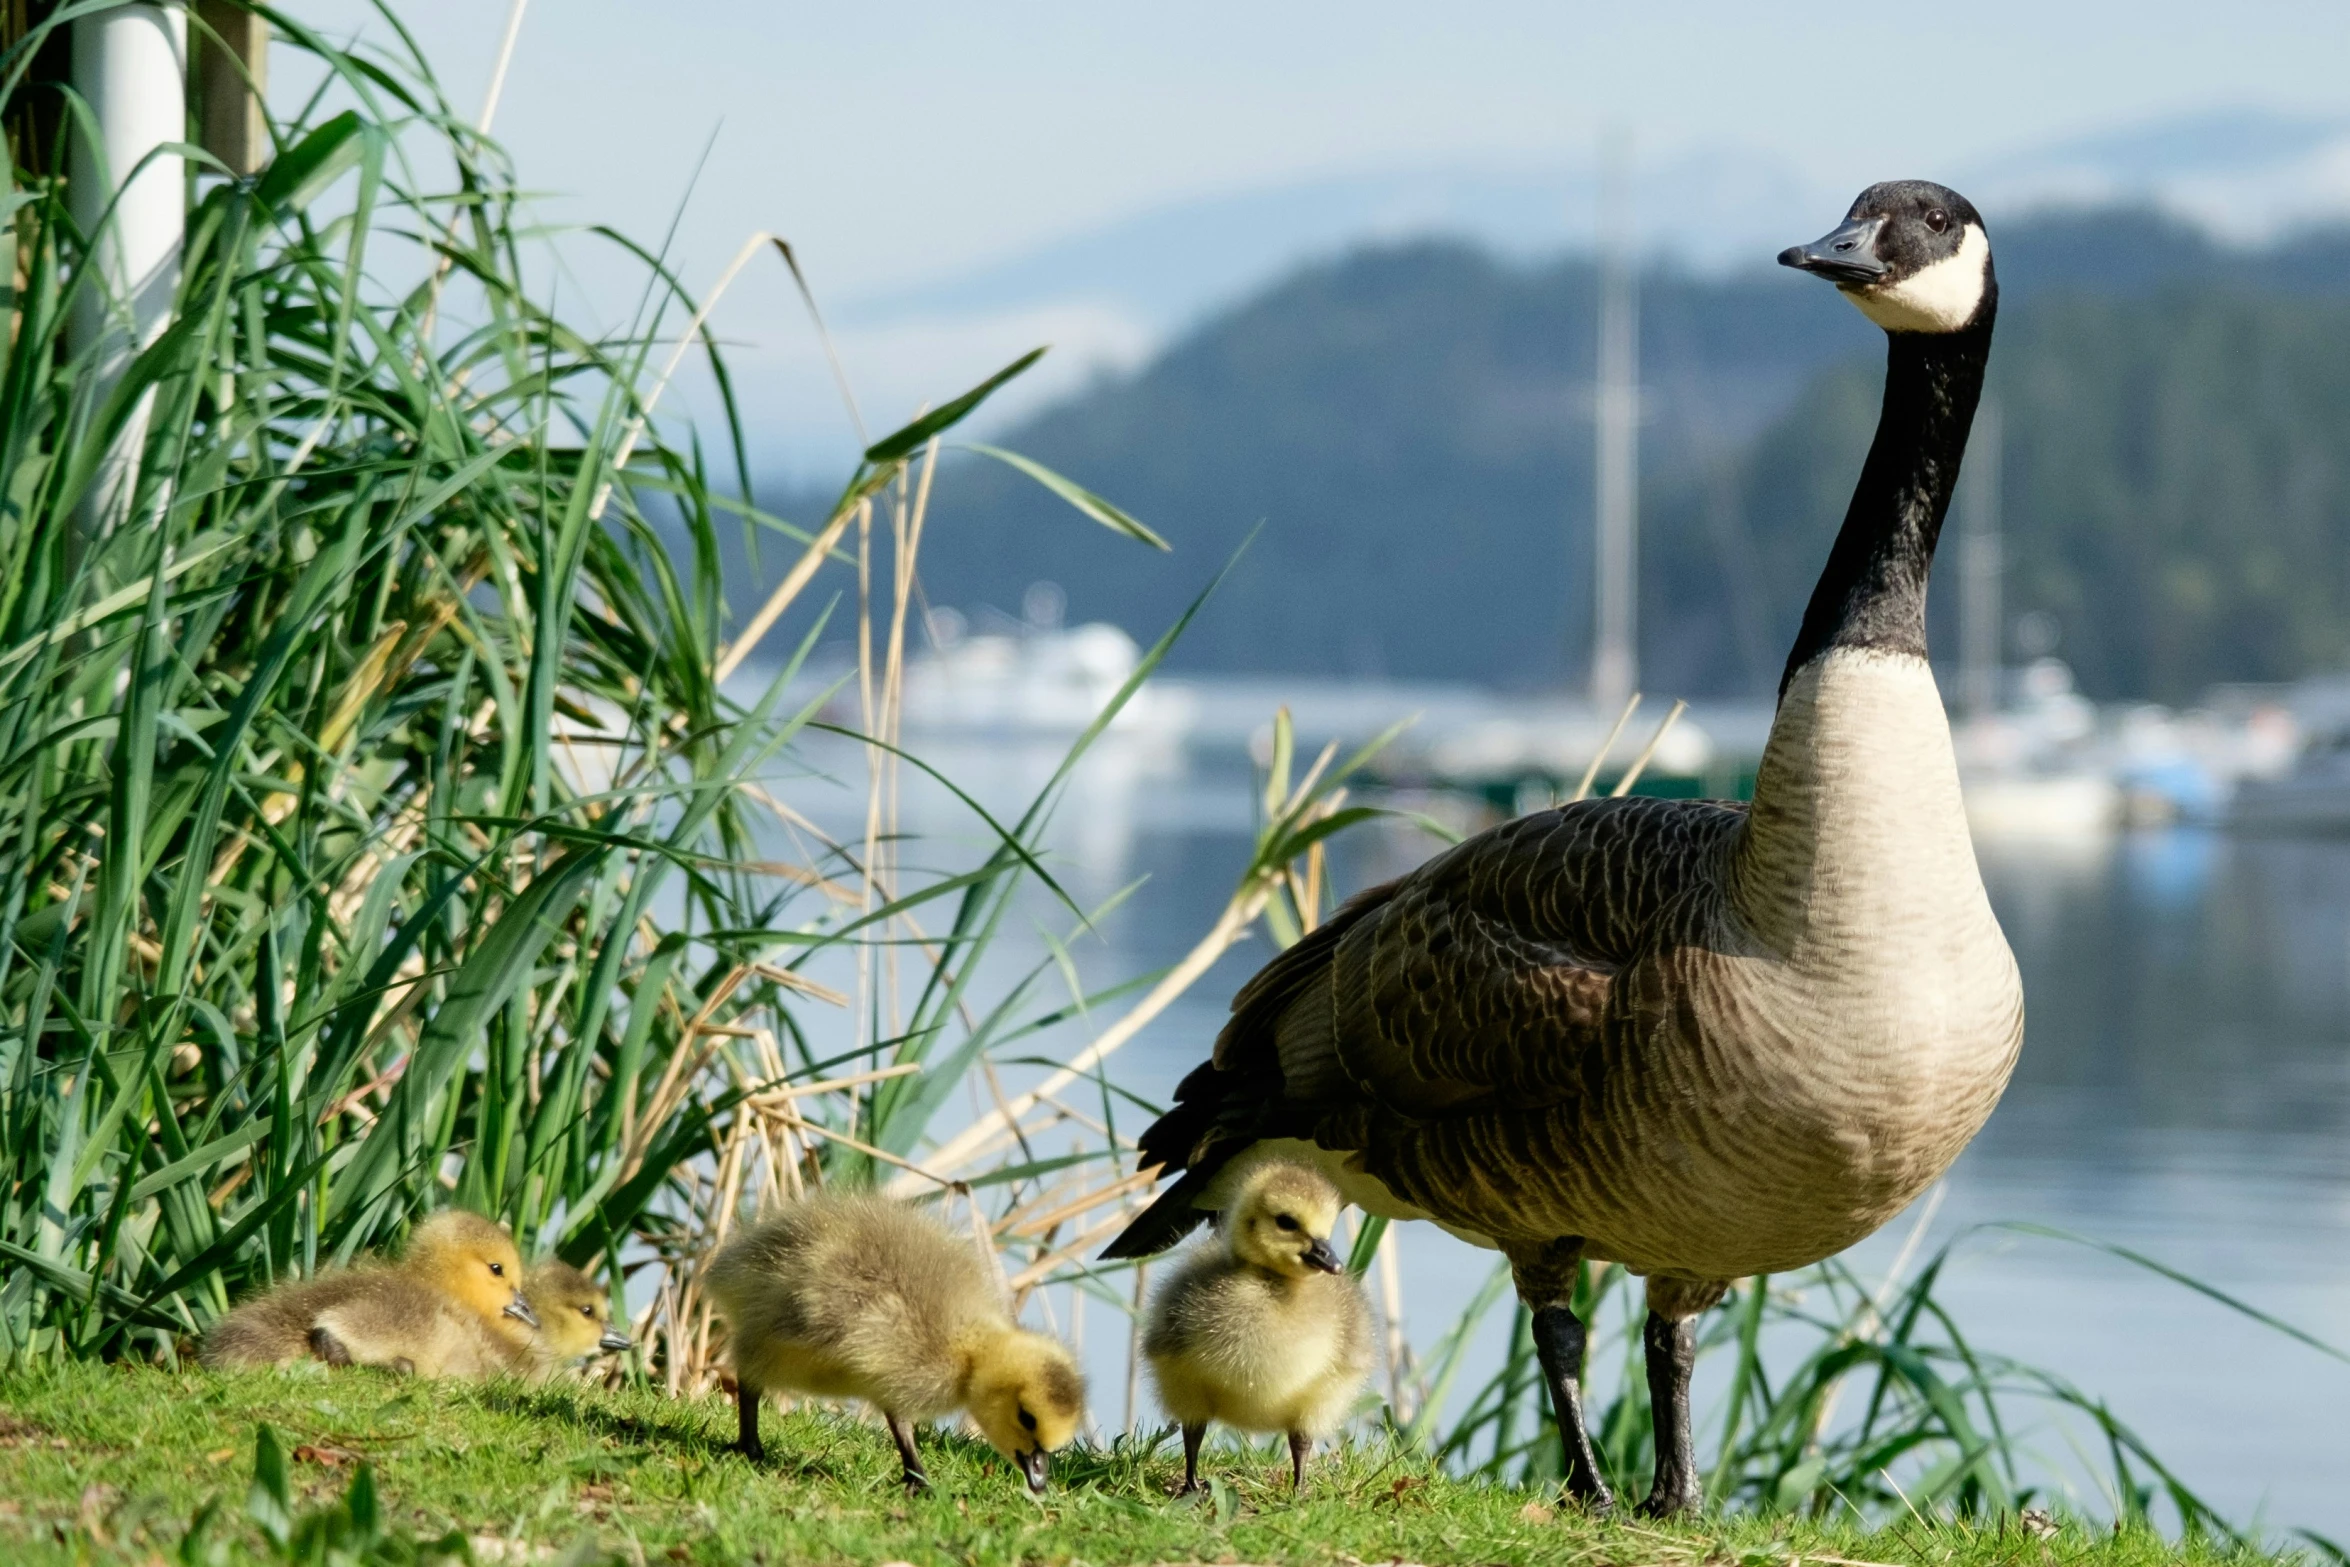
(498,1268)
(1027,1420)
(1285,1221)
(1937,220)
(588,1312)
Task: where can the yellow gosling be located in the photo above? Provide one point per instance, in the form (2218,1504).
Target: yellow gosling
(860,1297)
(1263,1328)
(452,1306)
(575,1318)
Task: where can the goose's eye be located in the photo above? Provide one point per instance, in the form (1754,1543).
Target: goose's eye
(1027,1420)
(1937,220)
(498,1268)
(1285,1221)
(588,1312)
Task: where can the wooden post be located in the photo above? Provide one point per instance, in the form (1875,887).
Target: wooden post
(231,79)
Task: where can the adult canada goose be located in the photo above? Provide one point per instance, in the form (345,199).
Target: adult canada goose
(1265,1331)
(575,1318)
(861,1297)
(452,1305)
(1698,1039)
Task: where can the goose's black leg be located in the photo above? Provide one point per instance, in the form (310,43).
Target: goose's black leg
(1670,1337)
(1191,1441)
(1545,1275)
(325,1346)
(1301,1447)
(746,1423)
(1558,1344)
(901,1431)
(1672,1351)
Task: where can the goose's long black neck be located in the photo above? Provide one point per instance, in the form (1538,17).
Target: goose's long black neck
(1872,593)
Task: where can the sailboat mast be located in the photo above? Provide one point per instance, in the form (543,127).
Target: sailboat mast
(1979,568)
(1616,502)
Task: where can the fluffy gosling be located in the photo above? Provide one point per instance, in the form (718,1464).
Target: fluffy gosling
(860,1297)
(451,1306)
(1263,1328)
(575,1318)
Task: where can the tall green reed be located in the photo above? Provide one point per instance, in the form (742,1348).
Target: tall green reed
(375,827)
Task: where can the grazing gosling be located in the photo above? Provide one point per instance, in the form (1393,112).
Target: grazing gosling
(860,1297)
(575,1318)
(451,1306)
(1265,1331)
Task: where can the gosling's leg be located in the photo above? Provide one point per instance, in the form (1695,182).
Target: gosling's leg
(746,1423)
(1670,1337)
(901,1431)
(328,1348)
(1301,1447)
(1672,1351)
(1191,1439)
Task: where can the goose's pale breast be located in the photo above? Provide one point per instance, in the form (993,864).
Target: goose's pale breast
(1811,1041)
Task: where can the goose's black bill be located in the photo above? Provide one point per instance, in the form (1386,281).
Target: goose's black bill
(1844,255)
(1035,1467)
(614,1341)
(1320,1256)
(519,1310)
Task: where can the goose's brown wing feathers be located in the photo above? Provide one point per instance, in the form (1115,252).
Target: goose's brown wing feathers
(1479,982)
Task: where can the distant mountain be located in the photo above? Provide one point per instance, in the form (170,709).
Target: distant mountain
(1410,427)
(1110,297)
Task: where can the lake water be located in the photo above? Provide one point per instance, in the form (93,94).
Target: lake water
(2184,1091)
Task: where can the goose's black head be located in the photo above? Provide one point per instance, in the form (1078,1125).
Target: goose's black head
(1911,254)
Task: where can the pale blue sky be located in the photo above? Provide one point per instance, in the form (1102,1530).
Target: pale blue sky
(902,143)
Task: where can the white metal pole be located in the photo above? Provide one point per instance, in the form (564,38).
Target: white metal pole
(130,64)
(1616,553)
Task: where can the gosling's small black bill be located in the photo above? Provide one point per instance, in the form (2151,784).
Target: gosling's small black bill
(1319,1256)
(1035,1464)
(1847,254)
(614,1341)
(519,1310)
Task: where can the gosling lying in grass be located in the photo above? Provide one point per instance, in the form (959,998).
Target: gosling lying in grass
(452,1306)
(860,1297)
(575,1318)
(1262,1329)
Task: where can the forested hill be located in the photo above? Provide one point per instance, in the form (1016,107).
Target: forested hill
(1411,428)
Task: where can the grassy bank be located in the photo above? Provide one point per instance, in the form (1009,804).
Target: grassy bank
(111,1463)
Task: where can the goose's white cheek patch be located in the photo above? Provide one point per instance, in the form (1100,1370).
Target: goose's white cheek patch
(1939,298)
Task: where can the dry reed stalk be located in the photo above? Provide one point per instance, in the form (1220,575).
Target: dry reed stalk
(866,1019)
(1591,773)
(1872,1316)
(634,430)
(1043,1223)
(1028,1278)
(1640,762)
(818,551)
(805,1127)
(983,1238)
(1134,1342)
(792,980)
(769,1097)
(489,112)
(1398,1347)
(1229,928)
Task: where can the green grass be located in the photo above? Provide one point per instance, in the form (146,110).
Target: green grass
(110,1464)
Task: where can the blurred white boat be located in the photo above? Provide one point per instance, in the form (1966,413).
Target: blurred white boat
(1036,680)
(2024,768)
